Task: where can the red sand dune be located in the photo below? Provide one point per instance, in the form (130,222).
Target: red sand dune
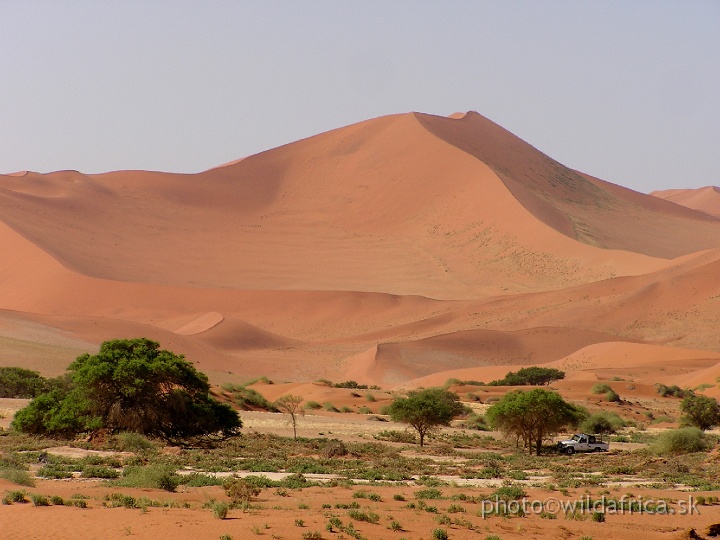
(384,251)
(706,199)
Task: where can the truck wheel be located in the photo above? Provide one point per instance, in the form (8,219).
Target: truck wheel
(597,449)
(570,451)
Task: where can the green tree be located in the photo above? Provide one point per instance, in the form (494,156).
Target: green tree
(700,411)
(426,410)
(531,376)
(131,385)
(290,405)
(17,382)
(533,415)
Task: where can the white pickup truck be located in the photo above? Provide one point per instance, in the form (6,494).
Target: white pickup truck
(583,442)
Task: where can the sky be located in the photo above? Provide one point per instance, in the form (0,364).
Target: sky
(628,91)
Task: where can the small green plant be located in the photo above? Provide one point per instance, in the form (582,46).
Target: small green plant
(312,405)
(398,497)
(220,509)
(39,500)
(395,526)
(226,537)
(440,534)
(299,523)
(598,517)
(312,535)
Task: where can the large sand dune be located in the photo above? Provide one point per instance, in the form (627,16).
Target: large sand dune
(392,249)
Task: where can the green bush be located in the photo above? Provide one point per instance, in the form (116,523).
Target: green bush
(312,405)
(672,391)
(150,476)
(220,509)
(602,422)
(440,534)
(510,492)
(680,441)
(128,441)
(600,388)
(612,396)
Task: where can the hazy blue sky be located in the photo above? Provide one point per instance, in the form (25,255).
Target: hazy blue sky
(625,90)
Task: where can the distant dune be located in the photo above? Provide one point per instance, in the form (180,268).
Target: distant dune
(706,199)
(398,249)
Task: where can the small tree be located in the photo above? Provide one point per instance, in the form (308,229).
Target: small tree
(426,410)
(531,376)
(533,415)
(290,405)
(700,411)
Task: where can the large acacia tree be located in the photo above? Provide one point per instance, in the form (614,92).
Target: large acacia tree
(426,410)
(533,415)
(131,385)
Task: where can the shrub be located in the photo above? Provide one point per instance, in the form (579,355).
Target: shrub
(510,492)
(672,391)
(612,396)
(240,490)
(602,422)
(39,500)
(250,399)
(150,476)
(220,509)
(680,441)
(600,388)
(350,384)
(330,407)
(313,405)
(440,534)
(128,441)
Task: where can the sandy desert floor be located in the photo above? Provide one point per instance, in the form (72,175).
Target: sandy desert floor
(411,509)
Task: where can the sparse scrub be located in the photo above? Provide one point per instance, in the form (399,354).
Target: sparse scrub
(17,476)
